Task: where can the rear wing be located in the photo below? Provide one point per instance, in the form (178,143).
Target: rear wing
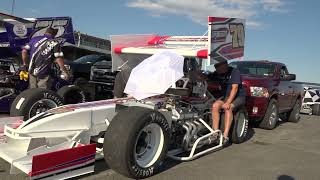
(225,41)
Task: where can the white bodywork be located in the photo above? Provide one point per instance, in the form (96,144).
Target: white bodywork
(62,128)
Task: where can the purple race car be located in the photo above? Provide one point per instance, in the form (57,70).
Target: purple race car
(11,86)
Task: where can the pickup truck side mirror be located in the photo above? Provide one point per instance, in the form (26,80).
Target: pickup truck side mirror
(289,77)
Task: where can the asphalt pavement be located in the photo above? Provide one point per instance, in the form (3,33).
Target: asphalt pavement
(289,152)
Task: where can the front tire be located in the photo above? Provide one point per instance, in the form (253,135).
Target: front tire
(34,101)
(271,117)
(136,142)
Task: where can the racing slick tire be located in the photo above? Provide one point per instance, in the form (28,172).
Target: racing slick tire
(271,117)
(72,94)
(294,115)
(34,101)
(136,142)
(238,132)
(316,109)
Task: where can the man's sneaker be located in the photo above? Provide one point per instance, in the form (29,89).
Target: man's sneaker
(225,141)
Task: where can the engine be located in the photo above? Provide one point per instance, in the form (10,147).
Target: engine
(186,126)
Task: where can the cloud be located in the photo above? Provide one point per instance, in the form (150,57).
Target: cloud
(199,10)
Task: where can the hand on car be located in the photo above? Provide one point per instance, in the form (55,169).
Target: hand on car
(226,106)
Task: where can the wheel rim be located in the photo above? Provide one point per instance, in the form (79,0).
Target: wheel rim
(241,124)
(273,115)
(149,145)
(41,106)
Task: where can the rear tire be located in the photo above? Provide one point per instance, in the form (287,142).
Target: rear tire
(240,126)
(72,94)
(294,115)
(34,101)
(238,132)
(136,142)
(271,117)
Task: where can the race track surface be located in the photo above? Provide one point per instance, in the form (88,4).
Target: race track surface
(289,152)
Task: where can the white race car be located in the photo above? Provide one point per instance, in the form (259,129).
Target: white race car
(133,136)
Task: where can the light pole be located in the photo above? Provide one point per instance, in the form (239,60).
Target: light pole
(12,7)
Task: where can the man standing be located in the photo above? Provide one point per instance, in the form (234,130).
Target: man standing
(43,51)
(234,96)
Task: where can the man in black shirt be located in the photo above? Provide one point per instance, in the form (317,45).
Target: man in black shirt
(234,96)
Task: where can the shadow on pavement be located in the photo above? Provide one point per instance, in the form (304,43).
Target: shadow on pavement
(285,177)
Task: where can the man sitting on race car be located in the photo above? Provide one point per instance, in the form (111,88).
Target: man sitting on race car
(44,50)
(234,96)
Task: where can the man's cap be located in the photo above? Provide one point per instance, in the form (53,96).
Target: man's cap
(52,31)
(220,63)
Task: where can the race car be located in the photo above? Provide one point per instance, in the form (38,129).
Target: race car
(136,133)
(11,86)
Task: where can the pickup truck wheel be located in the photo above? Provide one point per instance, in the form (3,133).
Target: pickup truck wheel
(294,115)
(136,141)
(239,128)
(72,94)
(34,101)
(271,117)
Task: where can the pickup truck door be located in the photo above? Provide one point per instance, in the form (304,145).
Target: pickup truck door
(285,91)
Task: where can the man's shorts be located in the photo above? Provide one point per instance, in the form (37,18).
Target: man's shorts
(35,82)
(236,103)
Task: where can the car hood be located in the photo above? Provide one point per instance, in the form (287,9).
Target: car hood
(259,81)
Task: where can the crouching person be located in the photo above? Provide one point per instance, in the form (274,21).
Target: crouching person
(234,97)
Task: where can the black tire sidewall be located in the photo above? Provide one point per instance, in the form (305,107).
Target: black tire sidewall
(295,110)
(265,121)
(71,89)
(121,136)
(235,137)
(135,168)
(31,96)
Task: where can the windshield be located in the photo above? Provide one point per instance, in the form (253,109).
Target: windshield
(88,59)
(254,68)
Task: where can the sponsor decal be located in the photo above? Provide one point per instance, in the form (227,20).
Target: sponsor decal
(227,38)
(5,44)
(20,30)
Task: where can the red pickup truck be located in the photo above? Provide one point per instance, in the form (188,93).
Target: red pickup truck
(270,92)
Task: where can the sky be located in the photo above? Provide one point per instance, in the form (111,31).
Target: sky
(286,31)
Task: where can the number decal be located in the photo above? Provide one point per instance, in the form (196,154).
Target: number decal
(42,25)
(237,32)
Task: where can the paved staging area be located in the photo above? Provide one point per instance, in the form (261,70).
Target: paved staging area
(291,151)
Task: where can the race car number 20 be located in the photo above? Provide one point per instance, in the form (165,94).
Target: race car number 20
(237,32)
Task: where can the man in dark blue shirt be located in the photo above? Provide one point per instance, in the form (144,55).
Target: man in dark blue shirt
(234,96)
(43,51)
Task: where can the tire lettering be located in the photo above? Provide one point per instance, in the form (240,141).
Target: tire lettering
(142,172)
(20,103)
